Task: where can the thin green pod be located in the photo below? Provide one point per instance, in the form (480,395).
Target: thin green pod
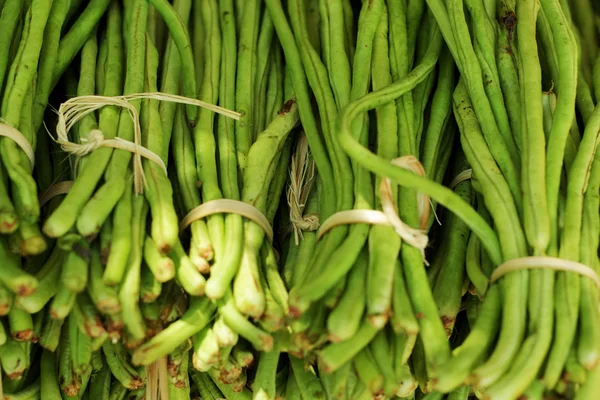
(150,288)
(264,385)
(62,302)
(260,339)
(264,61)
(104,297)
(179,34)
(120,244)
(47,278)
(9,19)
(51,333)
(186,273)
(48,59)
(13,276)
(193,320)
(122,370)
(334,356)
(6,300)
(171,75)
(161,266)
(129,292)
(308,383)
(74,39)
(383,358)
(21,325)
(245,80)
(81,346)
(100,384)
(345,319)
(48,376)
(368,371)
(74,274)
(158,190)
(89,320)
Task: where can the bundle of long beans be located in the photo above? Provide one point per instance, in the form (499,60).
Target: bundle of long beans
(433,142)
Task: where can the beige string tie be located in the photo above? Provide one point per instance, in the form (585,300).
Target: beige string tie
(157,387)
(16,136)
(302,176)
(389,216)
(74,109)
(228,206)
(538,262)
(460,178)
(55,190)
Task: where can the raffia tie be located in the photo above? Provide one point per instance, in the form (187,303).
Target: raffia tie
(228,206)
(16,136)
(302,176)
(55,190)
(538,262)
(389,215)
(462,177)
(74,109)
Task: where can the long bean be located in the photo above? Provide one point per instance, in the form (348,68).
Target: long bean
(178,30)
(158,189)
(74,39)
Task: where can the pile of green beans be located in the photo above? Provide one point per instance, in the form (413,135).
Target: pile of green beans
(104,295)
(99,283)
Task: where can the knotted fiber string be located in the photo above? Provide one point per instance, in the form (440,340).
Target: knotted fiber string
(74,109)
(389,216)
(16,136)
(302,176)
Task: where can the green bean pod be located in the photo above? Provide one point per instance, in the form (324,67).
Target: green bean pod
(75,270)
(62,302)
(105,298)
(368,371)
(51,333)
(171,75)
(74,39)
(48,376)
(81,346)
(121,240)
(9,19)
(122,370)
(345,319)
(6,300)
(13,277)
(129,292)
(179,34)
(195,319)
(308,383)
(158,189)
(186,273)
(380,353)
